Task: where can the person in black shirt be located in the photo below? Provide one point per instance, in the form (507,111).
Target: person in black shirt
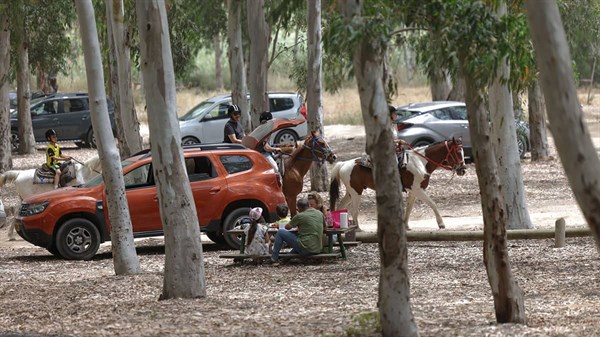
(233,132)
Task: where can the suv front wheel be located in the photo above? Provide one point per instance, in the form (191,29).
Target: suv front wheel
(234,219)
(77,239)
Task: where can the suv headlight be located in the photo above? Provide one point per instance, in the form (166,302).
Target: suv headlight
(32,209)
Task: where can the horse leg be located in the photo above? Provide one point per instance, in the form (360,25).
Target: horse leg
(410,202)
(12,234)
(423,196)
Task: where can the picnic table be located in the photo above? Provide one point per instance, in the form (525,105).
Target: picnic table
(330,232)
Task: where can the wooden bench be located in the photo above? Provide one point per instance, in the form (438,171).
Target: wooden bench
(284,256)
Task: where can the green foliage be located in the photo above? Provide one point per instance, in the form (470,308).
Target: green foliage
(581,19)
(364,324)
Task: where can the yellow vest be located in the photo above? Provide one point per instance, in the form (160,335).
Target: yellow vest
(52,151)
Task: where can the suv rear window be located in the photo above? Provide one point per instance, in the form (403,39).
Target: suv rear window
(280,104)
(199,168)
(235,164)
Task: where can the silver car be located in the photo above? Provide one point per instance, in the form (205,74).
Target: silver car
(426,123)
(205,122)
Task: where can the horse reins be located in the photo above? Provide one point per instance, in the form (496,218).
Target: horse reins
(451,151)
(321,150)
(77,161)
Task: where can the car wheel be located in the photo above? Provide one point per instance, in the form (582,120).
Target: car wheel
(286,137)
(422,142)
(14,140)
(78,239)
(53,250)
(231,221)
(189,140)
(522,146)
(91,139)
(216,238)
(80,144)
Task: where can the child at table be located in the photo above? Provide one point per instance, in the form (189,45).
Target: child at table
(257,237)
(282,213)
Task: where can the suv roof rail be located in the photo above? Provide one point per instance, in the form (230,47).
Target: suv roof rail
(204,147)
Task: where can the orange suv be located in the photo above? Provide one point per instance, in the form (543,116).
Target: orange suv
(226,181)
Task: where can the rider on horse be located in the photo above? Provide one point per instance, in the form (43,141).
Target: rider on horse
(401,154)
(54,155)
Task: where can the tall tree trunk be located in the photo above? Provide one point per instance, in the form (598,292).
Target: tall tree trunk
(258,33)
(42,79)
(314,95)
(26,138)
(438,83)
(5,146)
(537,123)
(567,123)
(504,140)
(218,67)
(394,288)
(237,67)
(128,128)
(458,89)
(508,297)
(184,264)
(125,258)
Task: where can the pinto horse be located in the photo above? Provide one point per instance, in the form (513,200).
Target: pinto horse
(23,180)
(315,149)
(422,162)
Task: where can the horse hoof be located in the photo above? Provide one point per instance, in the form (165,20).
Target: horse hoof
(12,239)
(442,226)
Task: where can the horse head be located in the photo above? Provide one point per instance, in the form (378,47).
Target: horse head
(455,156)
(319,148)
(88,170)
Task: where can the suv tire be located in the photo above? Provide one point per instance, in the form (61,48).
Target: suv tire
(77,239)
(189,140)
(231,221)
(91,139)
(286,137)
(217,238)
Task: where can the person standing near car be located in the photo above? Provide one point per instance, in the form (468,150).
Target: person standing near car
(54,155)
(233,132)
(265,148)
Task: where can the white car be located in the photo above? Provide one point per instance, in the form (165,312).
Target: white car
(205,122)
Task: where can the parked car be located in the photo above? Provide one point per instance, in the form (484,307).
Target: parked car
(12,95)
(426,123)
(226,181)
(205,122)
(67,113)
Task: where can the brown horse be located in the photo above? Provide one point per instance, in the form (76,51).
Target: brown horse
(315,149)
(422,162)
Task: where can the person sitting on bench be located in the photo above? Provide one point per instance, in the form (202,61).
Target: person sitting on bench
(310,223)
(257,237)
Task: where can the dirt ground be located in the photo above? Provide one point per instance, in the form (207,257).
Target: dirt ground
(450,294)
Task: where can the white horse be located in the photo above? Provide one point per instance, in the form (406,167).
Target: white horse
(23,180)
(415,177)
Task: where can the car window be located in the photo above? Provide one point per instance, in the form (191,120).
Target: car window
(442,114)
(50,107)
(138,177)
(74,105)
(280,104)
(220,111)
(234,164)
(196,111)
(199,168)
(406,114)
(458,113)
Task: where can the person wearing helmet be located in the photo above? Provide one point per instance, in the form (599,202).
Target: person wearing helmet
(54,155)
(233,131)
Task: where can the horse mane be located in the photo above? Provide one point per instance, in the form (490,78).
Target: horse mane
(89,169)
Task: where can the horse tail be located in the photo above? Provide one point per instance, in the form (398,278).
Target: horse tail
(8,177)
(334,187)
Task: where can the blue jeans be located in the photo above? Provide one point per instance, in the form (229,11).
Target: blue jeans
(291,239)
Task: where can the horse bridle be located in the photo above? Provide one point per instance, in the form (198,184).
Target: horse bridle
(451,153)
(315,149)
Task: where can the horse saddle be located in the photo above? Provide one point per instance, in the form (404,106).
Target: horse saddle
(44,175)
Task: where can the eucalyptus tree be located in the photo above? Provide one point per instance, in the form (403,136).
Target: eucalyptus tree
(5,146)
(571,134)
(123,246)
(128,125)
(237,66)
(362,34)
(184,264)
(258,34)
(479,47)
(21,37)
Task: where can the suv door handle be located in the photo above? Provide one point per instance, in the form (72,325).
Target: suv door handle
(214,190)
(84,117)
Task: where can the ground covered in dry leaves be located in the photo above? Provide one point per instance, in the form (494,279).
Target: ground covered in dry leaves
(450,294)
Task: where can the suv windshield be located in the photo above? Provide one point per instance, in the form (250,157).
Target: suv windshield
(196,111)
(97,180)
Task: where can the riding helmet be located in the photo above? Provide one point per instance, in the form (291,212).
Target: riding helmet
(233,109)
(50,132)
(265,116)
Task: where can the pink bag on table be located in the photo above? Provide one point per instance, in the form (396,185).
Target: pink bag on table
(335,217)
